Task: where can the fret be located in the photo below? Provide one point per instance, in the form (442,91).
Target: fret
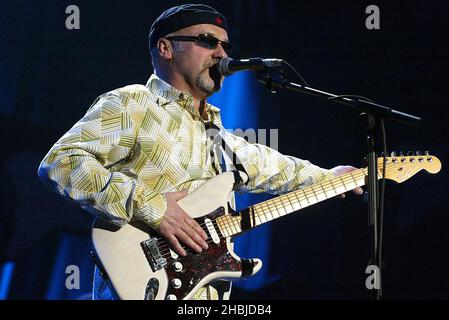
(287,203)
(237,224)
(259,210)
(230,226)
(257,214)
(278,203)
(262,218)
(265,208)
(340,186)
(266,213)
(310,194)
(295,203)
(271,214)
(329,193)
(227,221)
(355,182)
(271,208)
(221,226)
(254,220)
(360,177)
(347,185)
(304,201)
(318,194)
(234,226)
(332,185)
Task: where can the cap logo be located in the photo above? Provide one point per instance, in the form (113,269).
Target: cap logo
(218,20)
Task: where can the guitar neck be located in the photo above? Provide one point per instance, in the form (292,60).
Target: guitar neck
(266,211)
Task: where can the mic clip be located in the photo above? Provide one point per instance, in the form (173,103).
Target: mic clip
(269,74)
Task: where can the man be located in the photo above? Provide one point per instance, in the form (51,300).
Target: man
(139,149)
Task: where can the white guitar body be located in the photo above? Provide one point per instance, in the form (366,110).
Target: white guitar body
(132,276)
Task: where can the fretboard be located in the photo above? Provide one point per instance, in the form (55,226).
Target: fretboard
(291,202)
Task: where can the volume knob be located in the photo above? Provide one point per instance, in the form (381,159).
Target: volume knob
(176,283)
(177,266)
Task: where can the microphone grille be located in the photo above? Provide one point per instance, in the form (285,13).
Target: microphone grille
(223,66)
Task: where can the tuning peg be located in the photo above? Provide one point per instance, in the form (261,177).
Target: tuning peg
(393,153)
(401,154)
(426,153)
(410,153)
(418,153)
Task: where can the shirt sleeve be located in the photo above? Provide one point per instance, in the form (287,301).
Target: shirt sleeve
(83,166)
(270,171)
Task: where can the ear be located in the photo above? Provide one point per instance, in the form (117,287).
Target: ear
(164,49)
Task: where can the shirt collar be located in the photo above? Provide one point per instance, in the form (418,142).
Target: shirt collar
(184,99)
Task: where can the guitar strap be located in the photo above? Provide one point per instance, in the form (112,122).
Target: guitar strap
(225,149)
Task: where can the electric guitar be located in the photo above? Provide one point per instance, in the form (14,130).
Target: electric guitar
(139,263)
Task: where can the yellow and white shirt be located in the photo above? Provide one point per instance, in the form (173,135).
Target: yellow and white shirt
(138,142)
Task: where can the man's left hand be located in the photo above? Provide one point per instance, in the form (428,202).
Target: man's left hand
(339,170)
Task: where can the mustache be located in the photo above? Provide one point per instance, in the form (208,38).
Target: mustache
(212,63)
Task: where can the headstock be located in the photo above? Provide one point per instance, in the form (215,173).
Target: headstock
(400,167)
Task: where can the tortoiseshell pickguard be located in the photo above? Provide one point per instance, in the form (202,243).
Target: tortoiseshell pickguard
(196,266)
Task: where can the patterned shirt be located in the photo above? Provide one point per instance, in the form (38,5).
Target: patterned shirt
(138,142)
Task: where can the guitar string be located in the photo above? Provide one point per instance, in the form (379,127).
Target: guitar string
(232,223)
(279,203)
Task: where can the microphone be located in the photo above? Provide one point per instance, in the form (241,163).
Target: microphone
(228,66)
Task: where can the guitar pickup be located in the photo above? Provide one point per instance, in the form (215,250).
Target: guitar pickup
(154,256)
(211,228)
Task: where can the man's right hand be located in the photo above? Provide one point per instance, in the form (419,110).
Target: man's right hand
(177,226)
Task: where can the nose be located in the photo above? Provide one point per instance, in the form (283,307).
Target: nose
(219,52)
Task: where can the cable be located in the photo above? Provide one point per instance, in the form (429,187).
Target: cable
(304,82)
(381,205)
(351,96)
(380,209)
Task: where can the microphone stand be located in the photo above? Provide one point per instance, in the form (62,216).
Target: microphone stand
(372,114)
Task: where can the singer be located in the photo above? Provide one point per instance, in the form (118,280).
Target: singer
(141,148)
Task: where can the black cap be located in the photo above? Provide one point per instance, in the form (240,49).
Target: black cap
(183,16)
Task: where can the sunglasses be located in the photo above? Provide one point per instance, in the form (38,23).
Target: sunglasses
(204,41)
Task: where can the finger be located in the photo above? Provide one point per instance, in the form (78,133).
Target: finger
(176,245)
(197,227)
(358,191)
(192,231)
(186,239)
